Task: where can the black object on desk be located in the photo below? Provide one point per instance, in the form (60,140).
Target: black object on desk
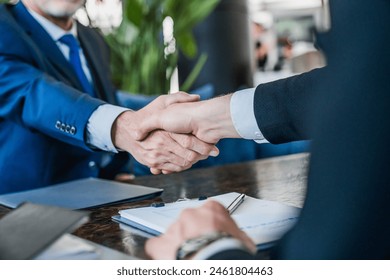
(31,228)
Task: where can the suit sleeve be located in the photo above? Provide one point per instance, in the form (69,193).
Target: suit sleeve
(281,107)
(38,102)
(234,254)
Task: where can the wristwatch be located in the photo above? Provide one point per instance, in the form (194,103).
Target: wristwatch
(193,245)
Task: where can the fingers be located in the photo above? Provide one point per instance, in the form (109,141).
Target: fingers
(164,159)
(152,117)
(192,143)
(162,154)
(155,171)
(190,149)
(180,97)
(162,151)
(179,152)
(217,218)
(228,225)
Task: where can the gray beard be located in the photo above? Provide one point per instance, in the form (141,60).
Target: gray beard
(54,12)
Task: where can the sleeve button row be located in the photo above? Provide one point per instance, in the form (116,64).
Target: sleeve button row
(66,128)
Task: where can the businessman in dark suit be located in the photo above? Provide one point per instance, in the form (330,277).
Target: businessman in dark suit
(58,110)
(344,108)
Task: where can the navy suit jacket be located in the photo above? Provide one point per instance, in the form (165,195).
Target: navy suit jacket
(344,108)
(43,112)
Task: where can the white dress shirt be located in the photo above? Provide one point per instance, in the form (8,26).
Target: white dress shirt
(243,115)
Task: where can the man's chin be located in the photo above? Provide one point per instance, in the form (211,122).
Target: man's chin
(65,10)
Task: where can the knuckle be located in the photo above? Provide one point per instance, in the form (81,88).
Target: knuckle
(158,141)
(187,141)
(154,158)
(176,160)
(191,157)
(184,164)
(215,206)
(154,165)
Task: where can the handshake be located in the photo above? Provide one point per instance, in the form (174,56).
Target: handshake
(174,131)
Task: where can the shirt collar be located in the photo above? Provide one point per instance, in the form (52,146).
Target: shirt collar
(54,31)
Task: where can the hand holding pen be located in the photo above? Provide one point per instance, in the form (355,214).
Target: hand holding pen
(194,222)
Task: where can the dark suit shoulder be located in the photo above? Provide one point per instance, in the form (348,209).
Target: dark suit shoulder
(232,255)
(12,35)
(15,41)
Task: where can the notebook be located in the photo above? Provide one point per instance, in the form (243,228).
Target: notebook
(31,228)
(264,221)
(81,194)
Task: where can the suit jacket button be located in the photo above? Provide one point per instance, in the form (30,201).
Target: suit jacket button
(63,127)
(92,164)
(58,125)
(73,130)
(67,129)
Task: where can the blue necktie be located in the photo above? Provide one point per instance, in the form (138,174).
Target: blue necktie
(75,61)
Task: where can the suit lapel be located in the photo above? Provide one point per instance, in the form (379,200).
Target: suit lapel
(45,43)
(94,61)
(89,49)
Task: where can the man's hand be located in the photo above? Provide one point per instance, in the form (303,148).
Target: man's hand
(210,217)
(208,120)
(161,151)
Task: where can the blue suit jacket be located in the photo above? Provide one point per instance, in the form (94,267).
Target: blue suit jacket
(43,112)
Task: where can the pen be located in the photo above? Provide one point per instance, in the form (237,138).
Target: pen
(235,203)
(157,204)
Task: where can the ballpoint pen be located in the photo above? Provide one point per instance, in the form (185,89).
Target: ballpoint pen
(235,203)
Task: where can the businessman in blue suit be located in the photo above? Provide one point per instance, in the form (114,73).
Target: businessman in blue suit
(58,111)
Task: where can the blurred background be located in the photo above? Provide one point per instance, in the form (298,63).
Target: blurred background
(206,47)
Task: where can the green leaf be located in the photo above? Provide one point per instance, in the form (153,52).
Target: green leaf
(187,44)
(138,61)
(133,11)
(187,14)
(194,73)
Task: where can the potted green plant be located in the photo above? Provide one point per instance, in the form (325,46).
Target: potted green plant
(143,60)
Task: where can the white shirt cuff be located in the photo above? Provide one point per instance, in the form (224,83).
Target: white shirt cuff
(243,115)
(219,246)
(99,127)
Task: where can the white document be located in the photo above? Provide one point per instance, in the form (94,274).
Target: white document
(70,247)
(264,221)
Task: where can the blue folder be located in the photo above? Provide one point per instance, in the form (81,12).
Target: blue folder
(81,194)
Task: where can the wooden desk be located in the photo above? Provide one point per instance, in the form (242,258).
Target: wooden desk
(280,179)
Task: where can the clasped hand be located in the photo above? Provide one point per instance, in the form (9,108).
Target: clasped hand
(164,151)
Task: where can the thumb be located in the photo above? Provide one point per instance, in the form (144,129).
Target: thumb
(145,126)
(161,248)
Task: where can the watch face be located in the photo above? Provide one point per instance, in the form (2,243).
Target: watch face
(196,243)
(193,245)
